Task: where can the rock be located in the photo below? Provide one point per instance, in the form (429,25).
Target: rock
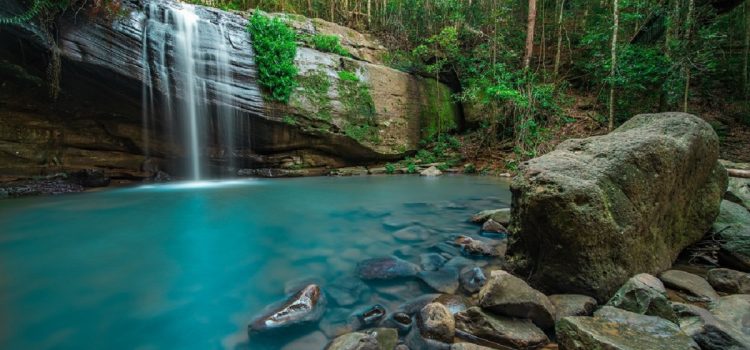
(729,281)
(354,341)
(598,205)
(572,305)
(413,306)
(395,222)
(454,303)
(431,171)
(307,305)
(502,216)
(505,294)
(431,261)
(733,227)
(472,279)
(734,310)
(616,329)
(474,247)
(498,332)
(347,291)
(644,294)
(349,171)
(415,340)
(385,268)
(90,178)
(436,322)
(468,346)
(159,177)
(369,317)
(314,340)
(494,227)
(707,331)
(412,234)
(738,191)
(690,283)
(387,337)
(444,280)
(400,321)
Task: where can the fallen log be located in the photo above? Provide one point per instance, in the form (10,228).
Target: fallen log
(739,173)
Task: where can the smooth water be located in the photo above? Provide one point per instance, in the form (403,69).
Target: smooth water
(187,265)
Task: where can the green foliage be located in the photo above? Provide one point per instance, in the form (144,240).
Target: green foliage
(288,119)
(362,133)
(315,87)
(470,168)
(359,108)
(328,43)
(411,168)
(390,168)
(275,47)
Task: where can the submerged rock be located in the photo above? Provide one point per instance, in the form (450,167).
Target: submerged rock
(354,341)
(598,205)
(436,322)
(616,329)
(412,234)
(694,285)
(709,332)
(455,303)
(472,279)
(369,317)
(498,332)
(307,305)
(475,247)
(729,281)
(644,294)
(505,294)
(400,321)
(494,227)
(346,291)
(431,261)
(572,305)
(385,268)
(444,280)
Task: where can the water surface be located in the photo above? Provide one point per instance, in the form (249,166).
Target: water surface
(187,265)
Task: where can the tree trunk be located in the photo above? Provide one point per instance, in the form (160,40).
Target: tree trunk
(530,25)
(688,39)
(559,37)
(369,13)
(739,173)
(746,53)
(613,71)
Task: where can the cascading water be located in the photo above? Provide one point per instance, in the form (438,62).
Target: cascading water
(186,73)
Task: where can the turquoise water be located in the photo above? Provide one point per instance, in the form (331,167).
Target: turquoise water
(188,265)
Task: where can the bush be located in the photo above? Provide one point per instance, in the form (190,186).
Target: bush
(329,43)
(390,168)
(275,47)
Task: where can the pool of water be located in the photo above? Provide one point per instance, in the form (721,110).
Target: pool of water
(188,265)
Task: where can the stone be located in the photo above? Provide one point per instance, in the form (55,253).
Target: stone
(475,247)
(431,171)
(400,321)
(347,291)
(734,310)
(354,341)
(305,306)
(738,191)
(694,285)
(395,222)
(472,279)
(431,261)
(368,317)
(415,340)
(90,178)
(387,337)
(644,294)
(314,340)
(729,281)
(502,216)
(616,329)
(436,322)
(733,228)
(505,294)
(412,234)
(468,346)
(498,332)
(605,208)
(494,227)
(385,268)
(412,306)
(709,332)
(444,280)
(572,305)
(455,303)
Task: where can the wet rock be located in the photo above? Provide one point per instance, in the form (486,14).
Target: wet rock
(597,205)
(412,306)
(454,303)
(431,261)
(368,317)
(468,346)
(502,216)
(733,227)
(346,291)
(474,247)
(436,322)
(395,222)
(401,347)
(738,191)
(729,281)
(385,268)
(400,321)
(734,310)
(505,294)
(498,332)
(25,188)
(444,280)
(414,340)
(412,234)
(644,294)
(572,305)
(307,305)
(472,279)
(707,331)
(354,341)
(90,178)
(314,340)
(387,337)
(494,227)
(431,171)
(617,329)
(693,284)
(159,177)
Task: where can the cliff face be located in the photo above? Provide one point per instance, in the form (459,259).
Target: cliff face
(97,120)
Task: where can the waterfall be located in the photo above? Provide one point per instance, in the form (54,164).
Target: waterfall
(186,73)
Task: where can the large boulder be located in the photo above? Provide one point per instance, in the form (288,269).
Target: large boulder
(596,211)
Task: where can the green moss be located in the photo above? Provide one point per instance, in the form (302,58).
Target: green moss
(362,133)
(288,119)
(358,108)
(315,87)
(275,47)
(438,113)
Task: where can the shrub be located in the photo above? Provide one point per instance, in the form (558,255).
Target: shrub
(275,47)
(390,168)
(329,43)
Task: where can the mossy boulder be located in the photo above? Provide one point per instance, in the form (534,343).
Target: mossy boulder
(596,211)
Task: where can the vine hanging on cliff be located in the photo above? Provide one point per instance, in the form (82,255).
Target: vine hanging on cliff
(275,46)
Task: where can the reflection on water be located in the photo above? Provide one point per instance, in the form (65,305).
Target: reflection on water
(187,265)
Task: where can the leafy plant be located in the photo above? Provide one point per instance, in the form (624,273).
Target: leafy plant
(329,43)
(275,47)
(390,168)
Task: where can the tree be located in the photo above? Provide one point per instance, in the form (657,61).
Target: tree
(530,26)
(559,36)
(613,68)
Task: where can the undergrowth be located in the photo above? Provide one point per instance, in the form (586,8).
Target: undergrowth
(275,47)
